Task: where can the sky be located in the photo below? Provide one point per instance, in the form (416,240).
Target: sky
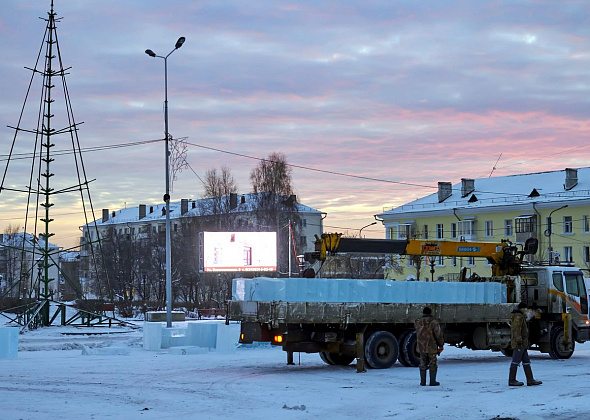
(373,102)
(75,376)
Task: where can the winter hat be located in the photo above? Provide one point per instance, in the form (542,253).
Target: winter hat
(426,311)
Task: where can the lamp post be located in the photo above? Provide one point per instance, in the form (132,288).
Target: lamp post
(361,229)
(548,233)
(167,194)
(432,264)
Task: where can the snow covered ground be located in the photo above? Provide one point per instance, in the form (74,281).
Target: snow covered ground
(58,375)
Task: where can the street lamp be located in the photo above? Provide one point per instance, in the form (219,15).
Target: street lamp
(432,264)
(361,229)
(548,233)
(167,195)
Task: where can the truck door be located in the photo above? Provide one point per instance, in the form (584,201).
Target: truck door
(577,299)
(557,300)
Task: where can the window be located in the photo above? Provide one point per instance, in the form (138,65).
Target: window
(467,229)
(440,231)
(440,260)
(567,225)
(531,279)
(425,231)
(303,240)
(489,228)
(454,261)
(586,252)
(558,281)
(525,224)
(303,223)
(404,231)
(508,227)
(586,224)
(470,260)
(567,254)
(571,285)
(454,230)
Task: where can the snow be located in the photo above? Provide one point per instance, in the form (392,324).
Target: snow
(65,373)
(492,192)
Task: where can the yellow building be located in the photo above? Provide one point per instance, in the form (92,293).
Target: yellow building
(553,207)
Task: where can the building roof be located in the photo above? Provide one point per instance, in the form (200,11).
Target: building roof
(16,240)
(203,207)
(542,188)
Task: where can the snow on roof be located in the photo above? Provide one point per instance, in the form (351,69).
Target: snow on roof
(540,187)
(16,240)
(202,207)
(69,256)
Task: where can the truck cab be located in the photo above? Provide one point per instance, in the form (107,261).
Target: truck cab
(558,296)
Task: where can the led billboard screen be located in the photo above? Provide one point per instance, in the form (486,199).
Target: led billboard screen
(239,251)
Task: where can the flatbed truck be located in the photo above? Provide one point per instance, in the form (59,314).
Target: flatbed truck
(380,334)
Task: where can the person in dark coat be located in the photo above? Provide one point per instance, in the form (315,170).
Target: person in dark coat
(519,341)
(430,341)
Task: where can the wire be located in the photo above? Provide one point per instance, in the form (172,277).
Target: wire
(20,156)
(307,168)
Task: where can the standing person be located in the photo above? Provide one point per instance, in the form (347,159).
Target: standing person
(519,341)
(430,341)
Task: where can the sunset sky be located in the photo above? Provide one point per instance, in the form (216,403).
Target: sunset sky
(373,102)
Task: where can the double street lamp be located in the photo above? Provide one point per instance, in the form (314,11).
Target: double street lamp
(167,194)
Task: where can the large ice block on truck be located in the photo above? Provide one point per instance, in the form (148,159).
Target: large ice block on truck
(358,290)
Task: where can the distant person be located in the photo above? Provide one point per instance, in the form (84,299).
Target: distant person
(519,341)
(430,342)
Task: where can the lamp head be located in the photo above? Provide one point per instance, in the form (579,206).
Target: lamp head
(180,42)
(150,53)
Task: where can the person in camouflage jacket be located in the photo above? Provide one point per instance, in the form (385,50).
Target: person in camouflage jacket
(429,341)
(519,341)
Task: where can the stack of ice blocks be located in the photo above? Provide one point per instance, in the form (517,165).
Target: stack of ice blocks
(357,290)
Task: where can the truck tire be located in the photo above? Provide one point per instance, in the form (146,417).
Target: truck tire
(401,357)
(410,350)
(507,351)
(381,350)
(557,348)
(340,359)
(326,358)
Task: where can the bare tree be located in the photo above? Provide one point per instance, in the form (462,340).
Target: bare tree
(272,175)
(276,207)
(219,184)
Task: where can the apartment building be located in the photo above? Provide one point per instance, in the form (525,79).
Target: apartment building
(553,207)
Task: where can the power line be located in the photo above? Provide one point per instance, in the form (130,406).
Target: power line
(307,168)
(20,156)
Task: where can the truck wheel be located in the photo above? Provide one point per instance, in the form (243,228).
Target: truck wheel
(326,358)
(381,350)
(340,359)
(557,348)
(401,357)
(410,350)
(507,351)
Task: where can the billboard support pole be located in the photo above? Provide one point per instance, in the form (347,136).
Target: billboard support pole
(289,241)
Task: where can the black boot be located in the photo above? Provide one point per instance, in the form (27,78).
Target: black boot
(530,380)
(433,378)
(422,377)
(512,377)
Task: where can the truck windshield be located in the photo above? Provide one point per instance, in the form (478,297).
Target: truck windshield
(574,283)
